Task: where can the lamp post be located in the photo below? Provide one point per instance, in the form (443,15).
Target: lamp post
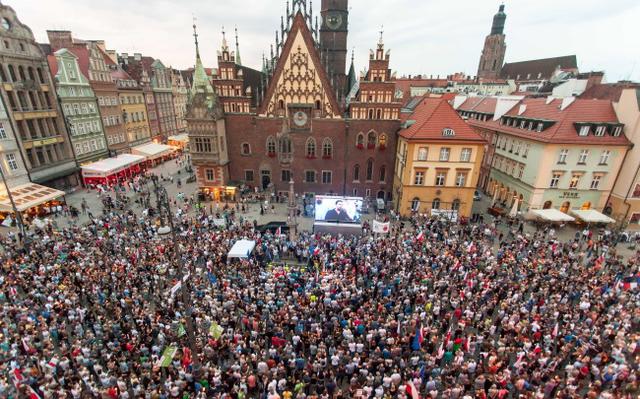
(13,205)
(163,201)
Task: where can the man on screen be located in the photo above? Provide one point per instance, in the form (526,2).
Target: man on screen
(338,214)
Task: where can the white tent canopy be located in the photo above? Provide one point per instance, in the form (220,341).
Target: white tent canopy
(152,150)
(592,216)
(183,138)
(110,166)
(241,249)
(552,215)
(27,196)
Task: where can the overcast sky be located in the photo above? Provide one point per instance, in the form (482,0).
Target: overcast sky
(425,36)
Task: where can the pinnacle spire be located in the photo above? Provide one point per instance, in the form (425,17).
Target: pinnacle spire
(225,46)
(380,41)
(238,61)
(195,36)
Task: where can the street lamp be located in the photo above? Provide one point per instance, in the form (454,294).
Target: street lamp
(13,205)
(163,201)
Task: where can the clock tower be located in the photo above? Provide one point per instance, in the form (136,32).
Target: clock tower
(333,42)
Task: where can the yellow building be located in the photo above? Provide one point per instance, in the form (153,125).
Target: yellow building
(133,108)
(438,162)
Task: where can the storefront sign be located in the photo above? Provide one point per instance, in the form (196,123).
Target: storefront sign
(570,194)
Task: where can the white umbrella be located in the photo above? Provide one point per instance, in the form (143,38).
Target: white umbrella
(514,210)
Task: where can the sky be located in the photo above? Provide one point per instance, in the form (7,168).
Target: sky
(432,37)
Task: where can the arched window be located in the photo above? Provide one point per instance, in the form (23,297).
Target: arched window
(271,145)
(246,149)
(311,147)
(379,114)
(280,104)
(40,76)
(31,74)
(360,140)
(369,169)
(21,73)
(371,139)
(370,114)
(382,141)
(435,204)
(318,105)
(415,204)
(12,73)
(3,77)
(327,149)
(356,172)
(383,173)
(455,205)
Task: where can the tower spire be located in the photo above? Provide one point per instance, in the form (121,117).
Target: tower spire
(225,46)
(238,61)
(195,36)
(380,41)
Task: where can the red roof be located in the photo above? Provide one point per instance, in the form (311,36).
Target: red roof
(563,130)
(470,103)
(433,115)
(82,53)
(53,64)
(405,84)
(609,91)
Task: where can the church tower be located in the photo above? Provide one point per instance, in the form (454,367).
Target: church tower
(492,56)
(333,42)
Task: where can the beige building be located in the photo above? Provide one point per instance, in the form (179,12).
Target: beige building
(437,162)
(624,201)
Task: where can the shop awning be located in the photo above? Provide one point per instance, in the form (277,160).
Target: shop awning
(110,166)
(183,138)
(27,196)
(241,249)
(552,215)
(592,216)
(152,150)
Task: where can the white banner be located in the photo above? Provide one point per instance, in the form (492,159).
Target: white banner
(380,227)
(447,214)
(220,222)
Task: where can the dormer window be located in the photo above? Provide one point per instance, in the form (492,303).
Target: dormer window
(530,125)
(522,124)
(600,130)
(539,127)
(617,131)
(584,130)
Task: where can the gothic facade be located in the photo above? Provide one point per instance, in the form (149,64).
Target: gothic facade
(296,124)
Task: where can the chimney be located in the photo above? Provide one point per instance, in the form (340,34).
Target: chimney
(60,39)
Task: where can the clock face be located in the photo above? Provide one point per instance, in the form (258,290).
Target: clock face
(300,118)
(333,21)
(5,24)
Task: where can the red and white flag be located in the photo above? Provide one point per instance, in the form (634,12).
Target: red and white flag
(412,391)
(420,236)
(32,393)
(279,231)
(554,333)
(53,362)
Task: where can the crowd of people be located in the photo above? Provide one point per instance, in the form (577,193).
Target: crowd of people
(430,310)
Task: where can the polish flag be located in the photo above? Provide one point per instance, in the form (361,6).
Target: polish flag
(554,333)
(316,251)
(412,391)
(279,231)
(32,393)
(53,362)
(420,236)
